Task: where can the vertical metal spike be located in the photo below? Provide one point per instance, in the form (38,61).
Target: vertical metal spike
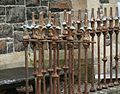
(111,33)
(92,20)
(33,18)
(41,22)
(69,19)
(65,16)
(86,19)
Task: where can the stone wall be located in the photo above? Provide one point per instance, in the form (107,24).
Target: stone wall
(13,14)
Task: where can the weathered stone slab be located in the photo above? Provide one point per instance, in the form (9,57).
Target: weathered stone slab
(19,2)
(36,10)
(7,2)
(3,47)
(44,3)
(2,19)
(18,45)
(6,31)
(15,14)
(18,27)
(9,47)
(30,3)
(2,10)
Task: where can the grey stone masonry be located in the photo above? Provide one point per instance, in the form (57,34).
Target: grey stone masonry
(13,14)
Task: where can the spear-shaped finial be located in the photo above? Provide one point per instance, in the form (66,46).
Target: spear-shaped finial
(79,16)
(65,16)
(105,16)
(54,20)
(49,20)
(104,28)
(72,16)
(49,15)
(116,18)
(92,15)
(69,19)
(98,14)
(41,22)
(33,18)
(111,18)
(86,19)
(92,20)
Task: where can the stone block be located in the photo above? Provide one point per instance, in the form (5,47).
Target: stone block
(2,19)
(2,10)
(18,45)
(6,31)
(15,14)
(7,2)
(36,10)
(3,47)
(17,27)
(31,3)
(19,2)
(9,47)
(44,3)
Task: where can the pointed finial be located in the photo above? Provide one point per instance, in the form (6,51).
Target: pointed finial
(72,16)
(65,15)
(79,16)
(116,19)
(92,15)
(98,14)
(33,18)
(49,17)
(92,20)
(41,22)
(54,19)
(86,19)
(69,19)
(111,13)
(105,15)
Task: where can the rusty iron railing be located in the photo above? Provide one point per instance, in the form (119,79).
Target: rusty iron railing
(68,38)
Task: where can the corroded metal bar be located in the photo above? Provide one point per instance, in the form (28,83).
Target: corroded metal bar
(39,73)
(79,36)
(58,31)
(58,69)
(26,67)
(50,69)
(92,89)
(104,31)
(86,46)
(98,32)
(65,16)
(110,31)
(116,30)
(65,67)
(55,75)
(72,67)
(43,68)
(70,72)
(71,57)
